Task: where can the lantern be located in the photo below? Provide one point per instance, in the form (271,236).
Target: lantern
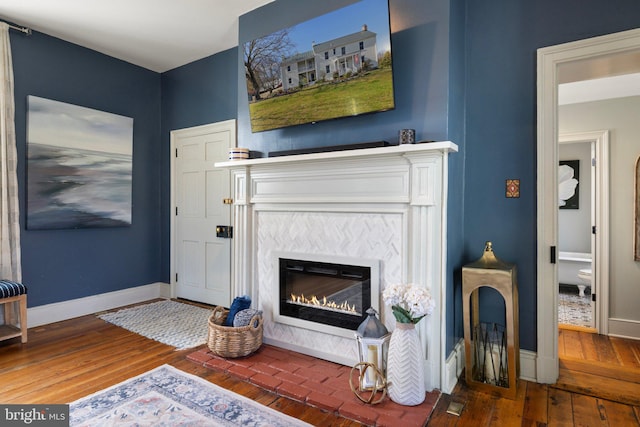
(492,351)
(373,343)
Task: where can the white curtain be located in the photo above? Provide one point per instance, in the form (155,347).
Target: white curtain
(10,265)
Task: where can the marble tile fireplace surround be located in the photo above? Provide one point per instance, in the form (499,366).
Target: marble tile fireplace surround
(383,207)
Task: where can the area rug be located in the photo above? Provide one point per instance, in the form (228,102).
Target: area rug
(167,396)
(170,322)
(574,309)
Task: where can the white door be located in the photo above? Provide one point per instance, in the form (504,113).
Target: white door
(200,202)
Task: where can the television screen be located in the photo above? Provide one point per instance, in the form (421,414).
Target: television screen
(335,65)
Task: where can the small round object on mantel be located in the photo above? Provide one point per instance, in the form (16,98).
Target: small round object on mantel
(238,153)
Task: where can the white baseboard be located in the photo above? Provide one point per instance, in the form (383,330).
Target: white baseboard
(528,365)
(453,367)
(624,328)
(456,361)
(56,312)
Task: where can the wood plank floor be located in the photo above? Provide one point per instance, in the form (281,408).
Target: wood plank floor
(68,360)
(65,361)
(599,385)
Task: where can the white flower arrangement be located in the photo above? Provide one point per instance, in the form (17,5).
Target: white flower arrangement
(409,303)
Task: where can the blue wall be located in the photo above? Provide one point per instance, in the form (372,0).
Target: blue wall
(199,93)
(455,213)
(59,265)
(195,94)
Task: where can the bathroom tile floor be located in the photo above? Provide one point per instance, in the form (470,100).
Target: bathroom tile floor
(574,309)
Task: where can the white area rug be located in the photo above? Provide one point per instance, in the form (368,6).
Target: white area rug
(169,397)
(170,322)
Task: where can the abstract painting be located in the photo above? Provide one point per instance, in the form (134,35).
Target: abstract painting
(568,184)
(79,166)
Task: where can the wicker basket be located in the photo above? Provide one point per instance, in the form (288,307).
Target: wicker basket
(227,341)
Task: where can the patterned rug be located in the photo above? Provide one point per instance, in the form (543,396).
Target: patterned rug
(574,309)
(170,322)
(169,397)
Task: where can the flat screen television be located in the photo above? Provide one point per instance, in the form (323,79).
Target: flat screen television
(335,65)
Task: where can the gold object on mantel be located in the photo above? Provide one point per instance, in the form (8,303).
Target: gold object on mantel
(492,351)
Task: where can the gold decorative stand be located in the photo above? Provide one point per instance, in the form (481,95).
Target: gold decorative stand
(492,351)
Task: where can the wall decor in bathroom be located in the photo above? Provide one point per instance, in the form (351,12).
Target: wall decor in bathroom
(568,184)
(636,234)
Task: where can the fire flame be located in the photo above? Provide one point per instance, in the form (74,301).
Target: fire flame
(323,302)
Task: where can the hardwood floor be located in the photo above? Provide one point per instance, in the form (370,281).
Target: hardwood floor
(599,385)
(600,366)
(68,360)
(62,362)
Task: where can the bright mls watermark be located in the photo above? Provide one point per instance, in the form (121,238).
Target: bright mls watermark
(34,415)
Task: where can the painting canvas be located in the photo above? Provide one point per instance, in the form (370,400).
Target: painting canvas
(569,184)
(79,166)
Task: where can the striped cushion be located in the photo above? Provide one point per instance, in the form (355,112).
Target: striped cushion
(11,289)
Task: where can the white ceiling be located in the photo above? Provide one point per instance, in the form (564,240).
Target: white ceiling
(614,75)
(155,34)
(599,89)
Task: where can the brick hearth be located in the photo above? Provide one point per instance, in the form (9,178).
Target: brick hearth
(317,383)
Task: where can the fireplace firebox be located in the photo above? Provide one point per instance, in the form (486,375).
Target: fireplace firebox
(326,293)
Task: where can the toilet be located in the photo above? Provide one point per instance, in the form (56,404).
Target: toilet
(585,279)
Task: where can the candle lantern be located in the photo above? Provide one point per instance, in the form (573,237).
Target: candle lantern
(492,350)
(373,343)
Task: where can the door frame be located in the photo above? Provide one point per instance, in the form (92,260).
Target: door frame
(227,125)
(549,59)
(599,219)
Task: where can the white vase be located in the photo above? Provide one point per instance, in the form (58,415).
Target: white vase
(405,370)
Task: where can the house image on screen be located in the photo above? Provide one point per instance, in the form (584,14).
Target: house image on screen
(331,59)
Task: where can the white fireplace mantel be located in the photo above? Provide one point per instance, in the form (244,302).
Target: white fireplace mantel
(393,150)
(384,203)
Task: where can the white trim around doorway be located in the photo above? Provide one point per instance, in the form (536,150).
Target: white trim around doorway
(549,59)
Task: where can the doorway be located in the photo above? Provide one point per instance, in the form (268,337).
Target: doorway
(582,226)
(200,204)
(550,60)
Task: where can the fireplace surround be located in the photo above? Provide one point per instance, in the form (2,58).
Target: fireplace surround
(383,205)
